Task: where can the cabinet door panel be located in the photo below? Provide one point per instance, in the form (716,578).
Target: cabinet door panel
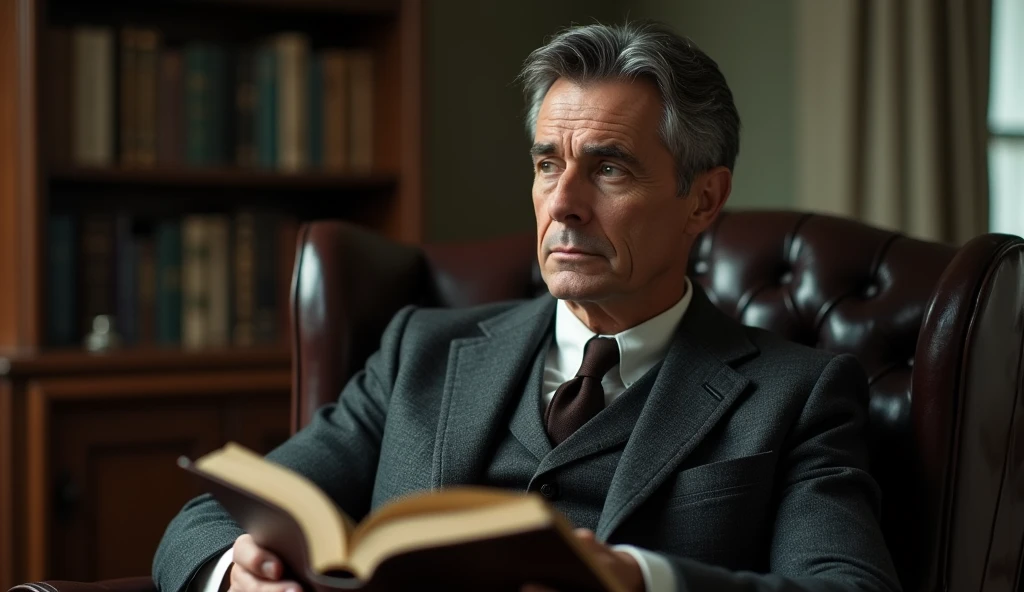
(117,484)
(111,453)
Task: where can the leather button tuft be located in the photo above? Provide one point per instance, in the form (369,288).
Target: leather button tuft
(786,278)
(549,491)
(871,291)
(700,267)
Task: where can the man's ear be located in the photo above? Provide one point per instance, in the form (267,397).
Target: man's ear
(710,190)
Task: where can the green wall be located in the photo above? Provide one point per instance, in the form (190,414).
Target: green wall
(477,169)
(753,42)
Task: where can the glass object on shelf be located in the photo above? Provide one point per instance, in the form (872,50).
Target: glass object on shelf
(103,336)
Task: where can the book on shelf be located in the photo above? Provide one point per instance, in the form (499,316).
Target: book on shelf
(195,281)
(277,103)
(461,538)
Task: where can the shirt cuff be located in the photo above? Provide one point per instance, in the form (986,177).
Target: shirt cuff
(657,571)
(210,576)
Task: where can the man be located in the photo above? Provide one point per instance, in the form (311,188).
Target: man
(693,453)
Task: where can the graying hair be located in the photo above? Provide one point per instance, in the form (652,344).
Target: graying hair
(700,125)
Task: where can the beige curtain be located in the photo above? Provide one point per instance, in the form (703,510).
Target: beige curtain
(892,97)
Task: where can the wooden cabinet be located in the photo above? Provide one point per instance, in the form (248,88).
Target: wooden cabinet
(90,458)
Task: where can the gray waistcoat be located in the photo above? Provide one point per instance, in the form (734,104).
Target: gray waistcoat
(574,479)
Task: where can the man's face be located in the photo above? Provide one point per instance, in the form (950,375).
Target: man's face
(610,224)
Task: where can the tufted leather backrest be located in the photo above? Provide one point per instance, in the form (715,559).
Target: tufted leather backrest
(939,330)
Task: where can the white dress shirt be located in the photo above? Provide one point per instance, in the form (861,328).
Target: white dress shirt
(640,349)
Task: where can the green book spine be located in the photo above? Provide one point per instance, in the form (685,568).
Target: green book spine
(197,105)
(316,112)
(266,107)
(61,277)
(168,278)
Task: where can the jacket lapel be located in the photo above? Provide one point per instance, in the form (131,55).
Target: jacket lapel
(693,390)
(527,423)
(484,377)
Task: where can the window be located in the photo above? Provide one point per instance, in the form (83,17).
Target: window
(1006,118)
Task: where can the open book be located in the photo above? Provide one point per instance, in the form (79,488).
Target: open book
(463,538)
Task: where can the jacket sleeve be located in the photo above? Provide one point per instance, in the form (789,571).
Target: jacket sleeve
(338,451)
(827,535)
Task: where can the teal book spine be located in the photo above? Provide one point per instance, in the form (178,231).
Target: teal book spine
(266,107)
(168,282)
(61,272)
(197,105)
(316,112)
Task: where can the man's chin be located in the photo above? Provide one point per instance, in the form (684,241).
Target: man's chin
(576,288)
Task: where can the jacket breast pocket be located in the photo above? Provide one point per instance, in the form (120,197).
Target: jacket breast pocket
(723,478)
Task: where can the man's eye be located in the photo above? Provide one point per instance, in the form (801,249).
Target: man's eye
(545,166)
(608,170)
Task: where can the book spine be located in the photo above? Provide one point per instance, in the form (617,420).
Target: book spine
(195,270)
(170,110)
(361,111)
(61,289)
(335,110)
(197,105)
(147,57)
(126,280)
(58,118)
(288,234)
(168,282)
(219,105)
(266,271)
(266,107)
(128,107)
(292,88)
(315,110)
(97,268)
(243,333)
(93,90)
(218,281)
(145,261)
(245,110)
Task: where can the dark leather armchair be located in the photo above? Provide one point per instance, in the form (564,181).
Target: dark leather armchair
(940,331)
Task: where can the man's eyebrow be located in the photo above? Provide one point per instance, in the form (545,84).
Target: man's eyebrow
(542,149)
(611,151)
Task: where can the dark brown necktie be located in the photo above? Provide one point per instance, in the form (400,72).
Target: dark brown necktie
(582,397)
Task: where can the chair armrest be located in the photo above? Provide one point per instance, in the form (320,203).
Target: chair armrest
(138,584)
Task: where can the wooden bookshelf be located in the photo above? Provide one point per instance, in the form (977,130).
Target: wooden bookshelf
(87,440)
(343,185)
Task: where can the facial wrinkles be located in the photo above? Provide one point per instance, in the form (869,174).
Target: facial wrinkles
(566,118)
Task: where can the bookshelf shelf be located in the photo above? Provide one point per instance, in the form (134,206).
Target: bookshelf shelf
(223,178)
(143,360)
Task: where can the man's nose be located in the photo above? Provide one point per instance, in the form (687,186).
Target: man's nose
(569,202)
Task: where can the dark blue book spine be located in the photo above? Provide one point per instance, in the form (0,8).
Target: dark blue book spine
(168,278)
(197,105)
(61,289)
(127,311)
(266,107)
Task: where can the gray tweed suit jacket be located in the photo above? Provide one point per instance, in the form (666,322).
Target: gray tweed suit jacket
(745,463)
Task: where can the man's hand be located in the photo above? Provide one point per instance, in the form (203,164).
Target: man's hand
(257,570)
(622,565)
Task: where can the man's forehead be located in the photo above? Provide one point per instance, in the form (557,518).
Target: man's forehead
(604,112)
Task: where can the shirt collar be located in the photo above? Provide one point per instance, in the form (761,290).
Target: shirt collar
(640,347)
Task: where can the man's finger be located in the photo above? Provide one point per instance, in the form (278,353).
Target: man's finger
(256,559)
(584,533)
(243,580)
